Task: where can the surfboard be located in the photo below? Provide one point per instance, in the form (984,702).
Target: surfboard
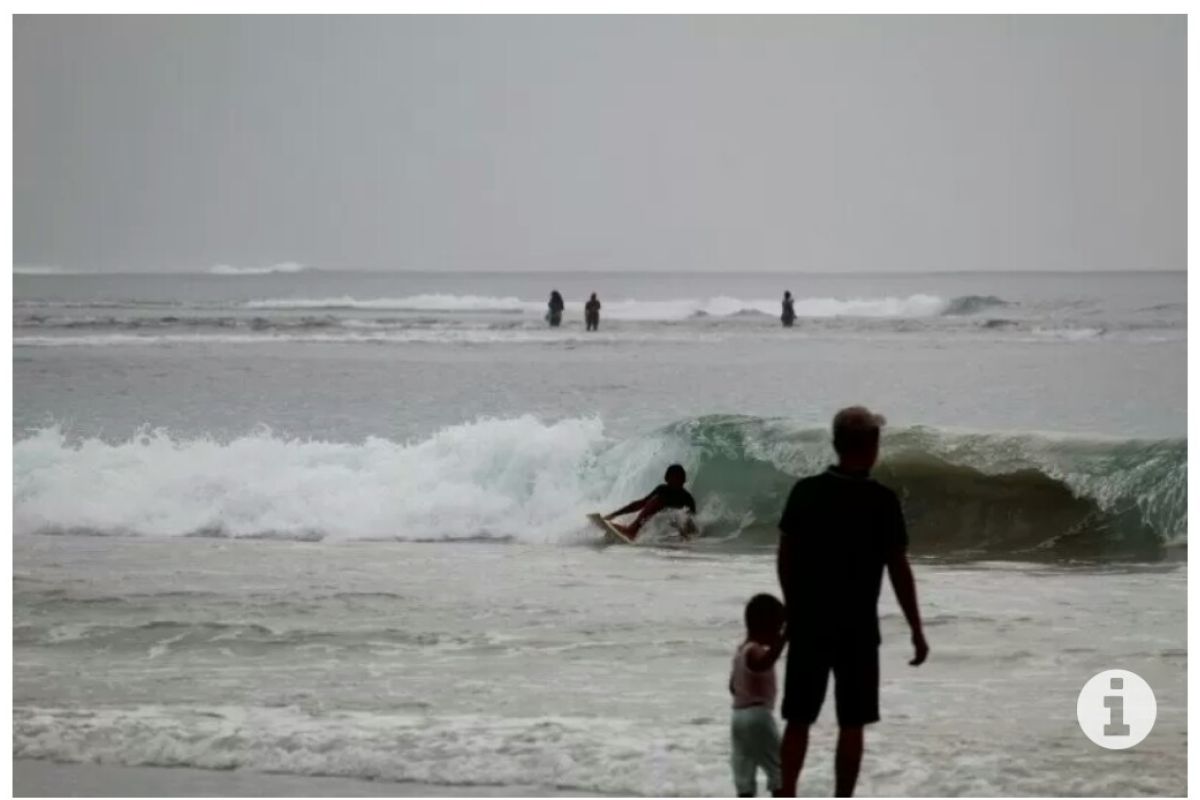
(611,532)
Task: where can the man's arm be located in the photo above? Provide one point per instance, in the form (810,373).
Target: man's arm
(783,565)
(905,587)
(784,557)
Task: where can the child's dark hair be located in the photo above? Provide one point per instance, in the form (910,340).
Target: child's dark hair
(675,470)
(762,610)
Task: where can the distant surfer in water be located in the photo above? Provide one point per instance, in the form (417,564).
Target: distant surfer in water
(789,311)
(555,309)
(669,494)
(591,313)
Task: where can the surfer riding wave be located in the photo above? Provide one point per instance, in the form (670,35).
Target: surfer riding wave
(669,494)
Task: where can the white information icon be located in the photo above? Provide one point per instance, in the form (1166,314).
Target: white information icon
(1116,709)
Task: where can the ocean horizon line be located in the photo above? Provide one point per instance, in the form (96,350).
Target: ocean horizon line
(46,272)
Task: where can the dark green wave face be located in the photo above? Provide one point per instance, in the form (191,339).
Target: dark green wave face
(965,495)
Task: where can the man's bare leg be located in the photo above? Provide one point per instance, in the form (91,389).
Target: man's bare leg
(793,750)
(849,756)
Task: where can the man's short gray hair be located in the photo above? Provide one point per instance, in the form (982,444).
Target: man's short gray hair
(856,428)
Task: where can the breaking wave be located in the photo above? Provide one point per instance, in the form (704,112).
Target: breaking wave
(917,305)
(972,304)
(275,269)
(169,321)
(967,495)
(555,753)
(37,269)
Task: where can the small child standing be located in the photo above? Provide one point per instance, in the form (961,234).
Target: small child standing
(752,684)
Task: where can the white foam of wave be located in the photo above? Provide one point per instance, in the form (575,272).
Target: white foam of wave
(917,305)
(96,304)
(367,334)
(598,754)
(37,269)
(282,268)
(420,302)
(506,479)
(1068,334)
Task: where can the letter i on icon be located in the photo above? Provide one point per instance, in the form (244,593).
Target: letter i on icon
(1115,703)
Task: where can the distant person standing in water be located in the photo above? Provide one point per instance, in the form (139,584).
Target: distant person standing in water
(789,311)
(591,313)
(839,530)
(555,306)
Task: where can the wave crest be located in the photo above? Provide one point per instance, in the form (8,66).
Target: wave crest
(972,304)
(286,267)
(917,305)
(966,494)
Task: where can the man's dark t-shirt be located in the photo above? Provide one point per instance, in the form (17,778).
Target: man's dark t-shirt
(670,497)
(841,528)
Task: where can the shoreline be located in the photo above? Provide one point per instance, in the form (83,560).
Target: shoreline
(37,778)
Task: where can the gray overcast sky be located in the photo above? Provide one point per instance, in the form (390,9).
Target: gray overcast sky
(716,143)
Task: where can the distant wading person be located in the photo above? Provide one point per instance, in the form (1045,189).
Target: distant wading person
(591,313)
(555,309)
(839,530)
(789,311)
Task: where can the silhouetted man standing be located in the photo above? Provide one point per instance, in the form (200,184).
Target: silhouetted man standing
(838,531)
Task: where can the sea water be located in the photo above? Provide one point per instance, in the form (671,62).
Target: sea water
(332,523)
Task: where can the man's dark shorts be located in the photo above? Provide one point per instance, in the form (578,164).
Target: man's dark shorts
(855,671)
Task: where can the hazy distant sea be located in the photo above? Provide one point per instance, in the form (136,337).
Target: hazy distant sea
(331,523)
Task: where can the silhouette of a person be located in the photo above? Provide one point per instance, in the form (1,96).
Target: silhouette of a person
(839,530)
(789,310)
(555,309)
(591,313)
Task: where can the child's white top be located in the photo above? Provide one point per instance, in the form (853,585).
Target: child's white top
(751,688)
